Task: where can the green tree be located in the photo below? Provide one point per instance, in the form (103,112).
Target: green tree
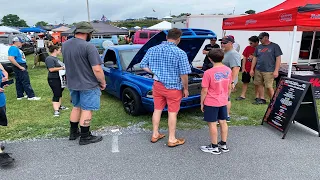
(41,23)
(13,20)
(130,24)
(250,11)
(184,14)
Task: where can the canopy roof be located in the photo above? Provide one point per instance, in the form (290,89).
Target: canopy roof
(102,28)
(61,29)
(32,29)
(164,25)
(305,14)
(5,29)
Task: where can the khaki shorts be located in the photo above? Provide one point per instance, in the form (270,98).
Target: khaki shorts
(264,78)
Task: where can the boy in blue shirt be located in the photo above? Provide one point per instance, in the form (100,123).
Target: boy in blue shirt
(18,59)
(5,159)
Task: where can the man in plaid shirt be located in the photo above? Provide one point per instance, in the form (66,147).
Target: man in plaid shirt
(170,67)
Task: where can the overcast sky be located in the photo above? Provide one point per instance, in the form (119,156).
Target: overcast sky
(53,11)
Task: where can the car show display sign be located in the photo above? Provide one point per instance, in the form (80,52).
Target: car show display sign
(292,101)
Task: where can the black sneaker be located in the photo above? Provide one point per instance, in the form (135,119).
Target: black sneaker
(223,148)
(84,140)
(240,98)
(260,101)
(63,108)
(5,159)
(228,119)
(74,134)
(2,147)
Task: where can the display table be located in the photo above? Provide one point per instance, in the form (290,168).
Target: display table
(310,76)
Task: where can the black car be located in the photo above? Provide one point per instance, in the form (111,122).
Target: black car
(27,46)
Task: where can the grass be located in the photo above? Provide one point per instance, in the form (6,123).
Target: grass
(34,119)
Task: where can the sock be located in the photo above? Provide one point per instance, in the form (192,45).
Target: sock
(74,125)
(84,130)
(222,143)
(1,150)
(214,145)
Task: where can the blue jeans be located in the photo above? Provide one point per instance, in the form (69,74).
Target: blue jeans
(86,99)
(23,82)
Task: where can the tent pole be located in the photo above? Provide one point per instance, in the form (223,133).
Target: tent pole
(292,51)
(312,46)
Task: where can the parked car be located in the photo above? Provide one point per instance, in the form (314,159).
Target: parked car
(133,86)
(4,58)
(101,42)
(143,36)
(27,47)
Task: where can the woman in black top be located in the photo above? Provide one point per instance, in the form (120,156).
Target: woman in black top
(54,65)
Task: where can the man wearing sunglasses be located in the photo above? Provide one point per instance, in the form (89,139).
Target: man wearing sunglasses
(232,59)
(206,63)
(265,66)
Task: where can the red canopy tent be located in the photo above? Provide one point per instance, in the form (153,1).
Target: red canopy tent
(301,15)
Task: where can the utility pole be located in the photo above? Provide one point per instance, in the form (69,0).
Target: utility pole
(88,10)
(63,20)
(234,9)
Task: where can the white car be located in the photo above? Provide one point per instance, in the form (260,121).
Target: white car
(4,58)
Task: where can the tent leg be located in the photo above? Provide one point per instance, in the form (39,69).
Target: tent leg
(292,51)
(224,32)
(312,46)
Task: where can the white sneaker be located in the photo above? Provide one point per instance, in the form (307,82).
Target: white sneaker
(56,114)
(34,99)
(25,97)
(210,149)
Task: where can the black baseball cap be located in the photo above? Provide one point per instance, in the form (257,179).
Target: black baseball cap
(227,39)
(263,34)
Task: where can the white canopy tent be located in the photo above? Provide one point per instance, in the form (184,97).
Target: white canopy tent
(5,29)
(164,25)
(60,29)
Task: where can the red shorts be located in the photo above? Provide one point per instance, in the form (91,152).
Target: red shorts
(163,96)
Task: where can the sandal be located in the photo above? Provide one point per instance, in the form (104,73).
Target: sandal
(154,140)
(177,143)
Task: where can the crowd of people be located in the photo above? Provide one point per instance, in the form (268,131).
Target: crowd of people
(169,66)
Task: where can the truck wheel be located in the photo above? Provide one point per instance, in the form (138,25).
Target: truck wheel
(131,102)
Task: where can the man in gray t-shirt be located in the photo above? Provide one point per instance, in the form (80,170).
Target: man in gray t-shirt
(265,66)
(85,79)
(232,59)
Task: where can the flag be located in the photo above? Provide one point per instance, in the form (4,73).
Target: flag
(153,10)
(103,18)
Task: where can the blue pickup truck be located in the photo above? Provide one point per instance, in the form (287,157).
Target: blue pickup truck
(133,86)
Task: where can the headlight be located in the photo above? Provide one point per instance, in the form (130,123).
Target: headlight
(149,94)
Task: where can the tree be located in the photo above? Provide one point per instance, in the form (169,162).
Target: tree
(250,11)
(184,14)
(13,20)
(41,23)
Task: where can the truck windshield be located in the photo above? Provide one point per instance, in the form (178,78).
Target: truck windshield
(126,57)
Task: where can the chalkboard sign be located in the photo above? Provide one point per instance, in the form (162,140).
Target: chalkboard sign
(293,100)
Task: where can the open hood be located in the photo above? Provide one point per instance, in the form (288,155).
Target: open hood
(191,42)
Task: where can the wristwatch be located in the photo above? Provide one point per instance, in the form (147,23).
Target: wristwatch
(232,82)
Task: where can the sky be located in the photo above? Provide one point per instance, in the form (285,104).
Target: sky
(55,11)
